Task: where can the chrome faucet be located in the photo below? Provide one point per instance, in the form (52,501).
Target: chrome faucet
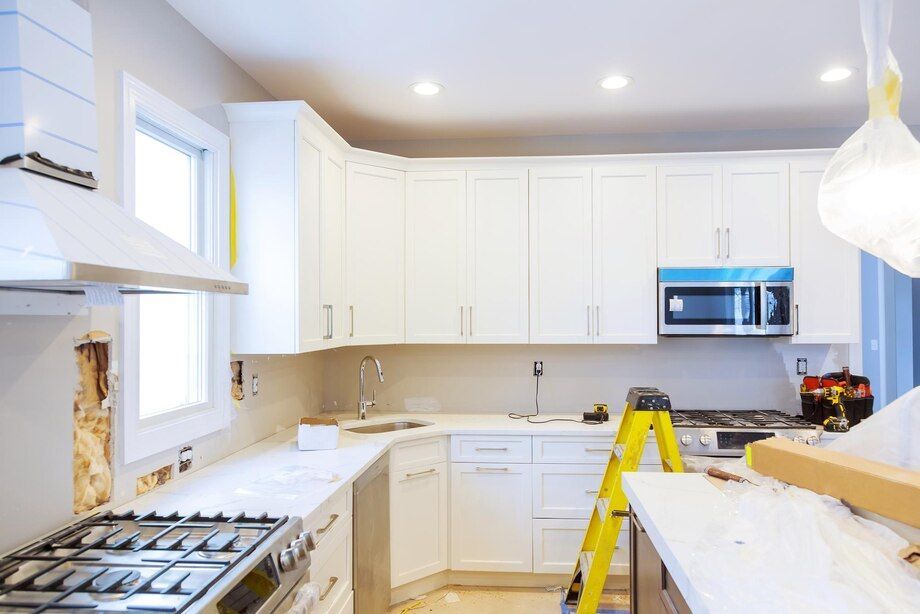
(362,403)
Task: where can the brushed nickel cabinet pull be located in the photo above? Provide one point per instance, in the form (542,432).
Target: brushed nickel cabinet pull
(491,449)
(471,320)
(329,586)
(796,319)
(597,321)
(591,492)
(589,320)
(461,320)
(491,469)
(329,524)
(597,449)
(351,310)
(728,243)
(718,242)
(426,471)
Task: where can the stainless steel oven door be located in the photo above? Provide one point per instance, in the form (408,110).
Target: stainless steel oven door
(725,308)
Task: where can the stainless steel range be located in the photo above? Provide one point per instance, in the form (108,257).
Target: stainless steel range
(725,433)
(163,563)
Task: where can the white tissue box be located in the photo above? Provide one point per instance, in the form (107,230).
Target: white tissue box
(318,434)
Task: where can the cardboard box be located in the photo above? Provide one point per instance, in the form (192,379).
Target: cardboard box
(884,489)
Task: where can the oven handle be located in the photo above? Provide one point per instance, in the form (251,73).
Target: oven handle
(763,323)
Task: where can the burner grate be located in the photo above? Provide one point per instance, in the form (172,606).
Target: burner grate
(73,568)
(770,418)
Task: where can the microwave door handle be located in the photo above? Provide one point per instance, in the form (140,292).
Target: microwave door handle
(764,317)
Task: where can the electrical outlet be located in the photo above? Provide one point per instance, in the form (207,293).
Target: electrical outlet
(255,384)
(801,366)
(537,368)
(185,459)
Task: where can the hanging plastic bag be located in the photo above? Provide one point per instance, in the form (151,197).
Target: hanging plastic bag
(870,193)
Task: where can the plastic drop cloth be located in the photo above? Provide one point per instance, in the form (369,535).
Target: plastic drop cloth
(870,192)
(288,482)
(779,548)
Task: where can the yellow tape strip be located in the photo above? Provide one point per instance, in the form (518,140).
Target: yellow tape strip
(748,457)
(885,99)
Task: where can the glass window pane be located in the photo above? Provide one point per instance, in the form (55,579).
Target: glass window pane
(172,328)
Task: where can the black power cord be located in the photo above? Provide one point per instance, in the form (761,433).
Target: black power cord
(536,401)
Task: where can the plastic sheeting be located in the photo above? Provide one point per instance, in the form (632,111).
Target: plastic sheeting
(780,548)
(870,193)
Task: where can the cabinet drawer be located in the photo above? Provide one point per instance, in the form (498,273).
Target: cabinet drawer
(331,514)
(419,452)
(565,490)
(556,543)
(572,449)
(490,449)
(330,565)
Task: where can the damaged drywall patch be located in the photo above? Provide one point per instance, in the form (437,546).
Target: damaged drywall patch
(92,422)
(236,380)
(155,478)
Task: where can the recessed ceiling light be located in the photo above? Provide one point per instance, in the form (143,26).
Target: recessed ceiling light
(615,82)
(836,74)
(427,88)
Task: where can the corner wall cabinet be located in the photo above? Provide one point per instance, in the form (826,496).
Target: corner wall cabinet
(290,241)
(342,246)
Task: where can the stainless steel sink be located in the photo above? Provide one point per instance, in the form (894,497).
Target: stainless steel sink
(386,427)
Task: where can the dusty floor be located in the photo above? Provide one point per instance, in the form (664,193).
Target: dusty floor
(485,600)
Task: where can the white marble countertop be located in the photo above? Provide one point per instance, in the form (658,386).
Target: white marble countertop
(272,475)
(675,509)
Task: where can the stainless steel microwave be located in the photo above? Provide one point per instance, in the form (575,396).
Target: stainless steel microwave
(740,301)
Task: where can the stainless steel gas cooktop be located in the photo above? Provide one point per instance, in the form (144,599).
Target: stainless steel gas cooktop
(725,432)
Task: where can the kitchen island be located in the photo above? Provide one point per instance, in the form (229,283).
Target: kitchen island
(689,522)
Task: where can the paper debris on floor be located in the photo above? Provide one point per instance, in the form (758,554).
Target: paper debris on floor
(452,598)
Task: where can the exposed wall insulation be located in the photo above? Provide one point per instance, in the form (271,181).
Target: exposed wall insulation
(92,423)
(148,482)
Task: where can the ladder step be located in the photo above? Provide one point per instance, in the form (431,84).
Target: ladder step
(620,451)
(602,505)
(584,563)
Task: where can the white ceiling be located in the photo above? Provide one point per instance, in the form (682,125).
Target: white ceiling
(531,67)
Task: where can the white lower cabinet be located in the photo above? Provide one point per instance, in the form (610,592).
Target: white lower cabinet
(418,522)
(565,490)
(556,543)
(331,566)
(490,511)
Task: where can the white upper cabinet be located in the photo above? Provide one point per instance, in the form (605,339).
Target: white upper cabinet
(283,201)
(827,291)
(561,305)
(375,221)
(436,226)
(755,214)
(333,240)
(690,216)
(497,257)
(625,267)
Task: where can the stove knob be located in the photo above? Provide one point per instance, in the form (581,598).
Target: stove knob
(686,439)
(812,441)
(299,547)
(705,440)
(798,439)
(287,560)
(308,540)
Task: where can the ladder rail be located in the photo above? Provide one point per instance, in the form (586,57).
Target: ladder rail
(611,505)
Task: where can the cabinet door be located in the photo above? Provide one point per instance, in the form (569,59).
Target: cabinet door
(436,257)
(625,264)
(755,215)
(497,256)
(689,216)
(827,268)
(565,490)
(418,522)
(560,256)
(556,544)
(333,239)
(375,220)
(311,320)
(490,523)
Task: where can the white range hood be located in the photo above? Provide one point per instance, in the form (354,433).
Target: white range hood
(56,232)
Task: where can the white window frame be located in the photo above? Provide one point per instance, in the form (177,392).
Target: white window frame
(142,438)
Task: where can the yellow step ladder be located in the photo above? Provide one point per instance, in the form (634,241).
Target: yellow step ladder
(645,408)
